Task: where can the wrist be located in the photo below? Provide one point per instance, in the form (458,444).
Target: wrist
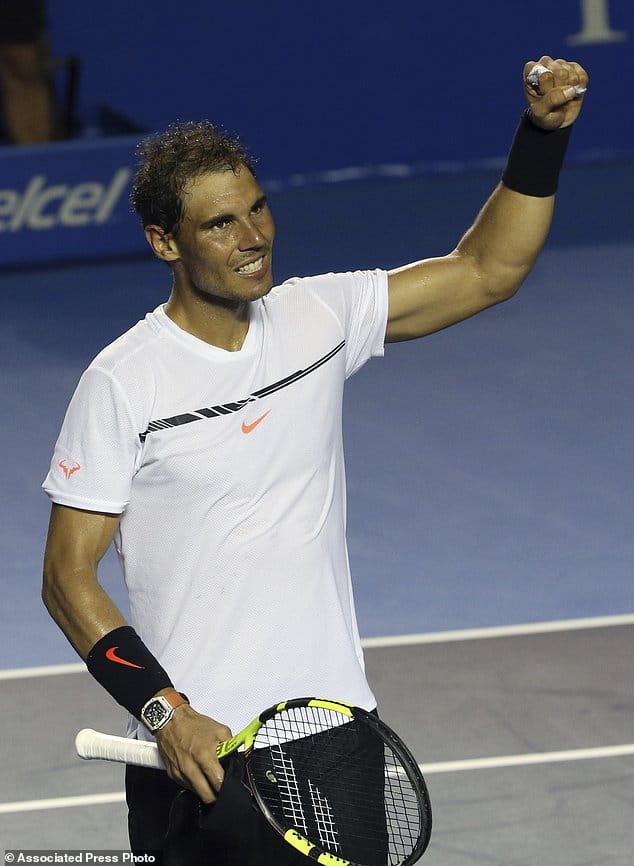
(125,667)
(159,710)
(535,158)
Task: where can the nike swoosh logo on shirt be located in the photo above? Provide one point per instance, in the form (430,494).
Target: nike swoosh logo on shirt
(112,656)
(248,428)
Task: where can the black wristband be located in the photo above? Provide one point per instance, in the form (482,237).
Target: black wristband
(535,158)
(125,667)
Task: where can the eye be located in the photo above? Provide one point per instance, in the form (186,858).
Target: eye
(221,223)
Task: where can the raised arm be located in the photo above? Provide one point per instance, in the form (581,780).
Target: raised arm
(497,252)
(77,541)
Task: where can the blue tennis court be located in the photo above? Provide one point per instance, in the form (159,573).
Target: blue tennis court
(490,479)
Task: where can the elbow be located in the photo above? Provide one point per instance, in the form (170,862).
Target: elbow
(54,592)
(497,281)
(504,290)
(502,283)
(50,590)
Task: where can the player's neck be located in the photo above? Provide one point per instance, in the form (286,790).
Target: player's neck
(218,322)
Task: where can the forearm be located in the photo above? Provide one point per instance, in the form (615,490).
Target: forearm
(79,604)
(506,238)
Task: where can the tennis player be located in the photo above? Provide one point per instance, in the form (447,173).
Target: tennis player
(206,443)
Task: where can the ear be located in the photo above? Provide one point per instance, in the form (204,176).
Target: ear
(163,244)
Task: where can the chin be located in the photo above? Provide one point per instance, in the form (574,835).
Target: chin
(257,291)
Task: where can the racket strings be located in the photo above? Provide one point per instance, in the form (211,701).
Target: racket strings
(285,777)
(338,783)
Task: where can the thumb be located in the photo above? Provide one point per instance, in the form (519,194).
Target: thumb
(560,96)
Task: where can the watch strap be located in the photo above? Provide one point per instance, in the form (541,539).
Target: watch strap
(176,699)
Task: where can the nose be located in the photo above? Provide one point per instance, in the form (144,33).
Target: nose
(251,236)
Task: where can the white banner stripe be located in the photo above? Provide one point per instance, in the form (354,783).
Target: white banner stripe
(527,759)
(62,802)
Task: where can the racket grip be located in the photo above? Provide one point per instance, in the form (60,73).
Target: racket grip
(93,745)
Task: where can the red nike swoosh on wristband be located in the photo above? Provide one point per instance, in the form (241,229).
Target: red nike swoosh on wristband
(112,656)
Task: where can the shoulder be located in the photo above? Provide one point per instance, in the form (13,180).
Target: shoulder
(129,349)
(332,288)
(122,378)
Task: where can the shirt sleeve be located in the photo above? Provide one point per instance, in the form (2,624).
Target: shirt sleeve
(366,300)
(358,300)
(95,457)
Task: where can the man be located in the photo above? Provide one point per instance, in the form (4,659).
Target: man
(206,442)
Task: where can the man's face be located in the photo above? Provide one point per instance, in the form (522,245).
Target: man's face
(225,240)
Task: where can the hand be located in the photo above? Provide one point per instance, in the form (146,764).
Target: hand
(551,95)
(187,745)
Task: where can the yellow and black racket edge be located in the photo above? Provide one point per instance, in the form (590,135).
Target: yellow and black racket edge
(407,764)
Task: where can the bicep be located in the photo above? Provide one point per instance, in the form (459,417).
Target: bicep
(432,294)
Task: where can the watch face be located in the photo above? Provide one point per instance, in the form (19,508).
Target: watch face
(154,714)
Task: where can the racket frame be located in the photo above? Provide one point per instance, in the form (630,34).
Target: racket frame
(292,836)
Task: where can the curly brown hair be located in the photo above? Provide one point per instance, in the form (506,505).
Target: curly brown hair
(168,160)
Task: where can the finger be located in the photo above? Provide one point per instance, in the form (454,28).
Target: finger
(203,784)
(223,733)
(571,72)
(558,97)
(193,780)
(539,79)
(561,73)
(582,75)
(214,773)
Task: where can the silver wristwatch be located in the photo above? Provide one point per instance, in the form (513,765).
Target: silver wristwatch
(157,712)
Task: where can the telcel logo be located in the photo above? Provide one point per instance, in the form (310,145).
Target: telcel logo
(45,207)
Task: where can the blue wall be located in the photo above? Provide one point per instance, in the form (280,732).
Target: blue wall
(309,91)
(320,86)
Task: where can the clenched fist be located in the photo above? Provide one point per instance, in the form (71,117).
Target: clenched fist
(554,90)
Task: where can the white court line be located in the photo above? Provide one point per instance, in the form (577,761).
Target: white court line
(395,640)
(527,759)
(499,631)
(61,802)
(427,769)
(46,671)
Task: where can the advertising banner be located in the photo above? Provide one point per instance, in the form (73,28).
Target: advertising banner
(67,201)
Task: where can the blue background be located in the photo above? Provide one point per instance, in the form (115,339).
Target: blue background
(318,94)
(321,86)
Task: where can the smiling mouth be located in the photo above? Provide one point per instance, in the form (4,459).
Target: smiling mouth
(252,267)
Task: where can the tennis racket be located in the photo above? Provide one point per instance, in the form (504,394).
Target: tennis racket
(334,780)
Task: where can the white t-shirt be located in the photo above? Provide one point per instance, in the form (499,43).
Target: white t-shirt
(227,469)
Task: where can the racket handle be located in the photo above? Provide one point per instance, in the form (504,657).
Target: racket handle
(92,745)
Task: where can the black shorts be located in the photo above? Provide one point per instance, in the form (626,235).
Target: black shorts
(172,824)
(22,21)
